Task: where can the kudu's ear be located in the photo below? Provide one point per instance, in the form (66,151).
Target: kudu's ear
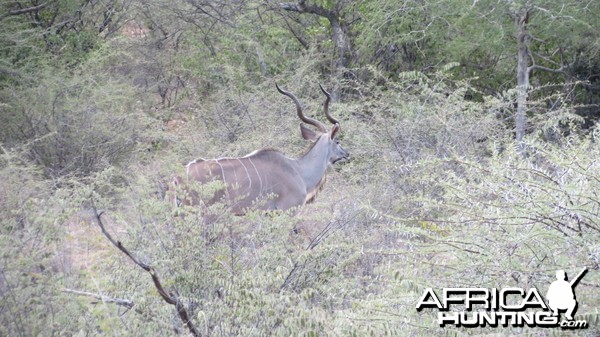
(307,133)
(334,130)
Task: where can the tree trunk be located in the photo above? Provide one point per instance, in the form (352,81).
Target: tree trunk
(339,39)
(521,21)
(338,33)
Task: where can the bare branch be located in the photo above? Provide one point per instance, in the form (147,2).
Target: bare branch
(22,11)
(302,7)
(105,299)
(296,35)
(537,67)
(170,298)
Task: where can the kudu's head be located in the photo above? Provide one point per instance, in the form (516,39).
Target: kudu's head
(323,138)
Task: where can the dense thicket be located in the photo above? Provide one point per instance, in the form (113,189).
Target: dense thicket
(472,126)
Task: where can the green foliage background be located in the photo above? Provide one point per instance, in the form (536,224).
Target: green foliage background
(106,100)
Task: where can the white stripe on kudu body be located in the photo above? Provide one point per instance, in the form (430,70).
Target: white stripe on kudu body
(260,189)
(247,173)
(222,171)
(267,179)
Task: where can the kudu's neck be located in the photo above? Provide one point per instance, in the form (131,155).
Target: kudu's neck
(313,164)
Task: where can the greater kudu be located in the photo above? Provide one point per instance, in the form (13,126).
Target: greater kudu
(267,179)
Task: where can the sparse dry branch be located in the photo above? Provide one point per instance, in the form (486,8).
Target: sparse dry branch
(104,299)
(169,297)
(326,232)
